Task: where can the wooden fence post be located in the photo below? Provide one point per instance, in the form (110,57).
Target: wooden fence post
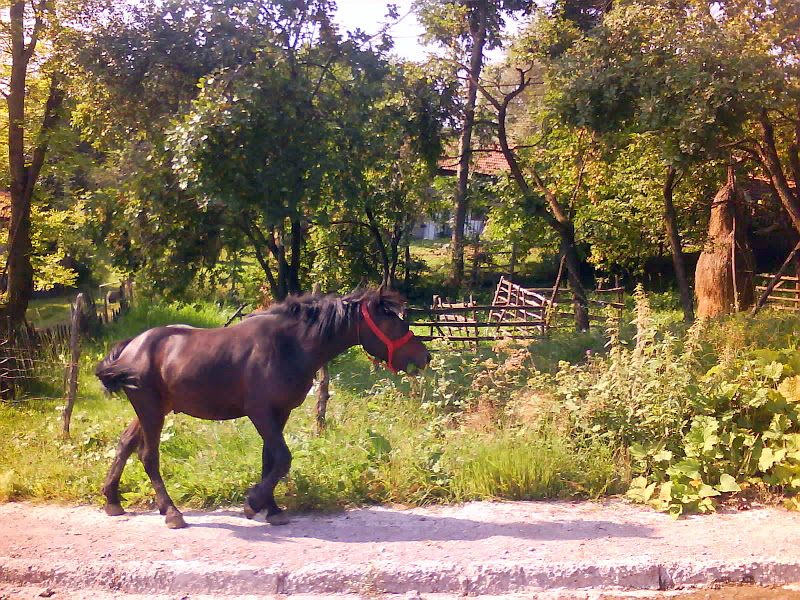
(76,313)
(512,266)
(323,389)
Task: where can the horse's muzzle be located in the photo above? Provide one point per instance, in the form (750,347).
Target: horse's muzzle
(418,363)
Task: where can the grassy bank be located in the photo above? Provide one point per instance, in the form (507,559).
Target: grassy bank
(680,420)
(390,439)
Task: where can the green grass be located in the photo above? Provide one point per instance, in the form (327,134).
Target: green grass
(389,439)
(44,313)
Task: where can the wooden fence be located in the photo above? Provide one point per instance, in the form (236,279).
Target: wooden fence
(53,353)
(785,295)
(515,312)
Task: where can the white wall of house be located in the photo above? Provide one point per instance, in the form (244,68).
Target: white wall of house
(425,231)
(431,230)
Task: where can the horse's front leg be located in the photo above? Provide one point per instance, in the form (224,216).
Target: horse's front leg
(276,459)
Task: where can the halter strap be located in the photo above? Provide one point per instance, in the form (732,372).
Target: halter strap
(391,346)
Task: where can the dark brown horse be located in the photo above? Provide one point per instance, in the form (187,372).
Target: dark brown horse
(260,368)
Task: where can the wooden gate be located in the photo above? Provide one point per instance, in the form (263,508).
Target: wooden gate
(786,293)
(515,312)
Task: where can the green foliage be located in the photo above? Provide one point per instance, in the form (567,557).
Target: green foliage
(693,434)
(136,70)
(449,23)
(623,222)
(315,138)
(659,68)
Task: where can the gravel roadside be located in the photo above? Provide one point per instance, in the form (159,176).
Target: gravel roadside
(484,549)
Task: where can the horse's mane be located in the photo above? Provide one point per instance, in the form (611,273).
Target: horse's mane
(323,316)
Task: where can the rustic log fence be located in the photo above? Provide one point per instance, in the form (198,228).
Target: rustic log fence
(515,312)
(784,295)
(51,355)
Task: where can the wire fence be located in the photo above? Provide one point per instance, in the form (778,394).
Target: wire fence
(42,364)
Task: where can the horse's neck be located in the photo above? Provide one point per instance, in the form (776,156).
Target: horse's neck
(323,351)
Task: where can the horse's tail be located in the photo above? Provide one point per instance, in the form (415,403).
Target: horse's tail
(113,374)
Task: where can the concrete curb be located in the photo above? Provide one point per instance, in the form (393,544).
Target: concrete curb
(498,577)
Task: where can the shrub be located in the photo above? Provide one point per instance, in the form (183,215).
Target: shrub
(693,435)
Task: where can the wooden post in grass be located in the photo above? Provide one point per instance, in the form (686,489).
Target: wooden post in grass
(323,388)
(76,313)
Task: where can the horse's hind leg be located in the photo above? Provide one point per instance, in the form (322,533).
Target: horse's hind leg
(148,409)
(128,442)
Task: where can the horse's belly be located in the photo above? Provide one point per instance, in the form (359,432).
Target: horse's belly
(195,401)
(210,412)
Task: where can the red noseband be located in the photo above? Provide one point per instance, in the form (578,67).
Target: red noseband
(391,346)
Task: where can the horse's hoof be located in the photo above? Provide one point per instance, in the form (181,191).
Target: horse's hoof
(114,510)
(175,520)
(280,518)
(249,512)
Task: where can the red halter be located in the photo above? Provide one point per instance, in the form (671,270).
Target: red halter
(391,346)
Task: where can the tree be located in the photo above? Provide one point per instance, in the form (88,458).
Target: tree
(390,178)
(622,216)
(270,142)
(139,70)
(709,84)
(673,70)
(540,198)
(466,27)
(25,27)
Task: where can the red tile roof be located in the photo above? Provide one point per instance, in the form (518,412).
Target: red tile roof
(485,161)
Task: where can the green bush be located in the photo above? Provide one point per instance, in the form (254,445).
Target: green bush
(693,434)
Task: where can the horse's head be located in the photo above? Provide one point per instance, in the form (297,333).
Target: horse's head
(384,335)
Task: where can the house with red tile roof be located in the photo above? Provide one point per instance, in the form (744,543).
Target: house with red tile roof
(486,162)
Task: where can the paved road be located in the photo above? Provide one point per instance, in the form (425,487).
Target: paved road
(528,549)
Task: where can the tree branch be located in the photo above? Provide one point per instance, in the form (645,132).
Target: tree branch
(50,120)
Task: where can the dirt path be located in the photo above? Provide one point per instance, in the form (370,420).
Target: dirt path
(551,549)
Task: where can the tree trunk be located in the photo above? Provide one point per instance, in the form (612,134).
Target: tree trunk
(768,154)
(579,299)
(407,265)
(22,177)
(298,239)
(375,230)
(556,217)
(397,235)
(674,237)
(478,34)
(279,283)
